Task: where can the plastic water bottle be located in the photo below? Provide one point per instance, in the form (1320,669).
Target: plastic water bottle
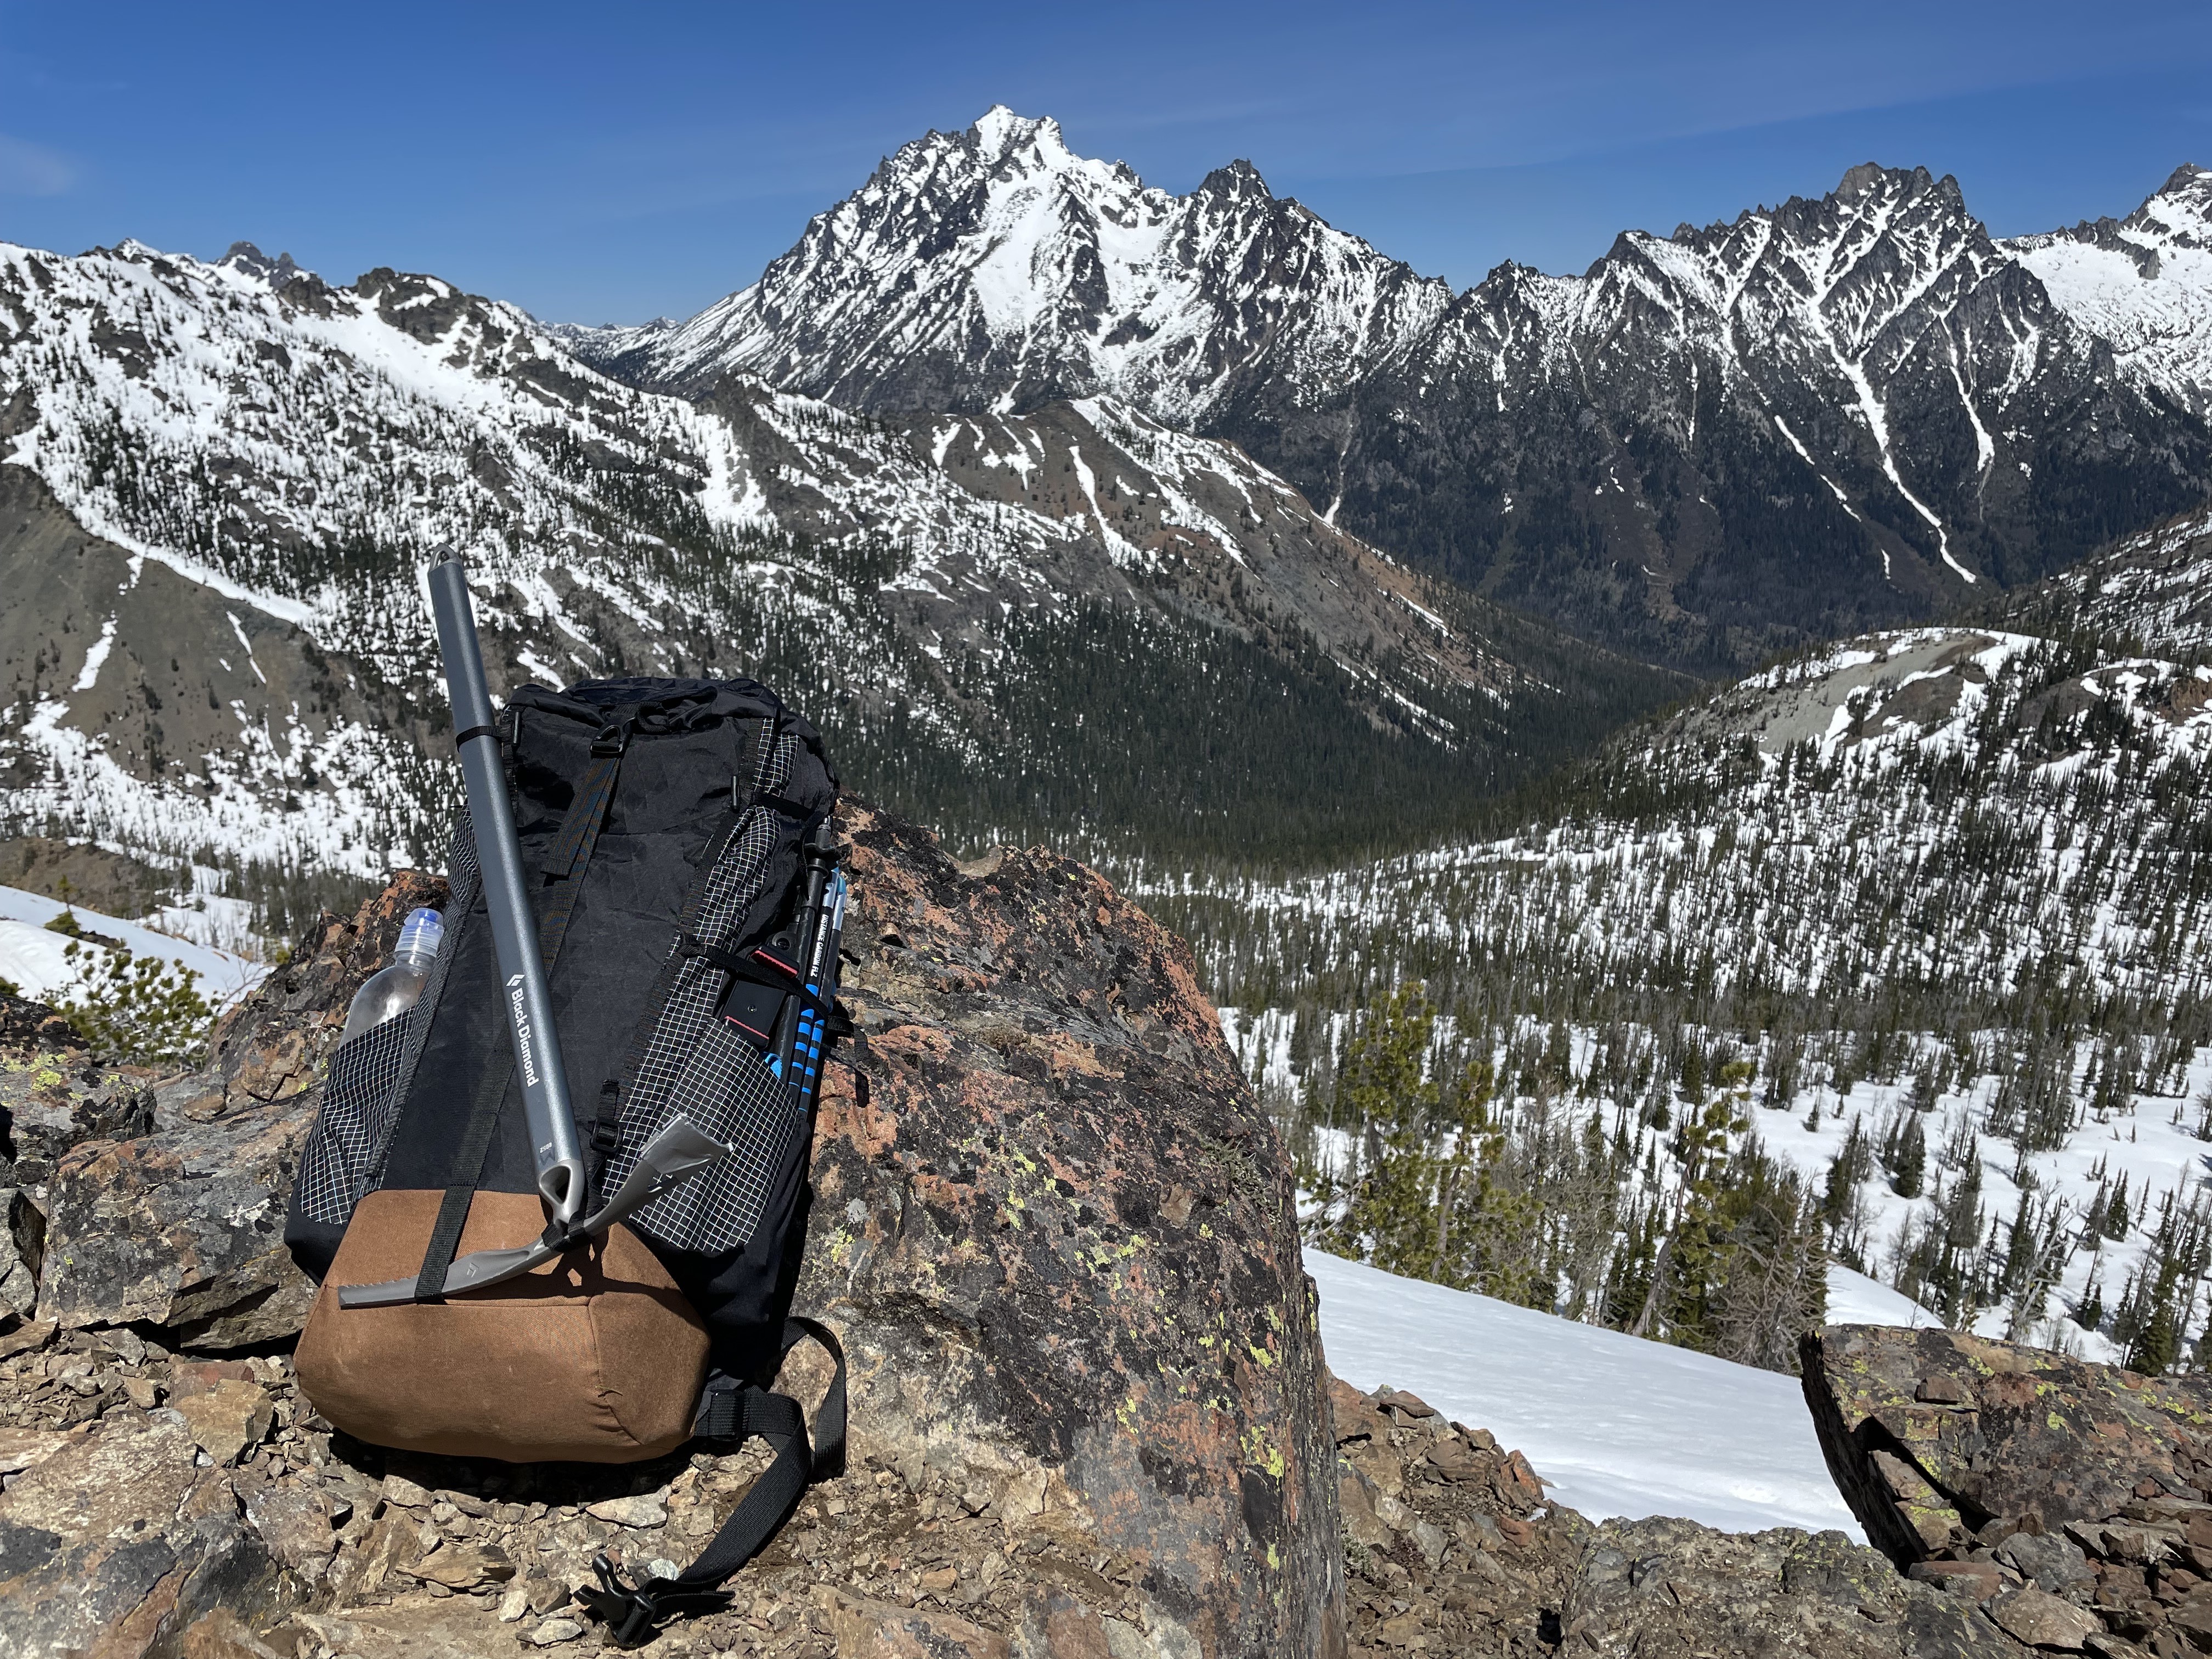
(392,991)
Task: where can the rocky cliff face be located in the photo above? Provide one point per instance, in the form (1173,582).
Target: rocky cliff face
(1823,417)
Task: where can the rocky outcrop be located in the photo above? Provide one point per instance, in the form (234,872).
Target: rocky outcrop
(1452,1548)
(55,1093)
(1058,1233)
(1049,1221)
(2069,1499)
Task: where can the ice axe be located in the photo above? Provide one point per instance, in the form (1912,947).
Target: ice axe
(683,1149)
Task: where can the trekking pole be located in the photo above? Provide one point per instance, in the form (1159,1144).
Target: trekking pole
(822,986)
(783,1059)
(529,1003)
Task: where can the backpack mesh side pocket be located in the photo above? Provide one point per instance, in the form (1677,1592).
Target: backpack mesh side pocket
(728,1089)
(697,1065)
(359,1098)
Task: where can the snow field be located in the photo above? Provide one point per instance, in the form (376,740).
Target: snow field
(1614,1426)
(36,960)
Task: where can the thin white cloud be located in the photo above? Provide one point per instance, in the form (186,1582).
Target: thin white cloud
(29,169)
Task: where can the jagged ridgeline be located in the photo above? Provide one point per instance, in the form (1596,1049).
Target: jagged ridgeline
(1077,623)
(1910,935)
(1839,413)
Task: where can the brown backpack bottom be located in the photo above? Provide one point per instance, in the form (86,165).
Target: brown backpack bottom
(594,1357)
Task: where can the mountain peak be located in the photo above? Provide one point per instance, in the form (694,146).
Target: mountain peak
(1871,178)
(245,257)
(1240,178)
(999,132)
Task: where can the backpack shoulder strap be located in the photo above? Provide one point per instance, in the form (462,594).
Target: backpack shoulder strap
(731,1410)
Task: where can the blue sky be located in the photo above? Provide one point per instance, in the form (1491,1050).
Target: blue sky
(607,163)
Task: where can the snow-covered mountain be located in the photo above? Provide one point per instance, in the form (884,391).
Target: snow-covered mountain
(2142,284)
(222,483)
(994,269)
(1826,416)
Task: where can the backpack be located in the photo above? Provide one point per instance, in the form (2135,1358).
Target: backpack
(664,827)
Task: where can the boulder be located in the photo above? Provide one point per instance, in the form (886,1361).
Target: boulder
(168,1212)
(2082,1486)
(1666,1586)
(118,1542)
(22,1250)
(1058,1233)
(181,1230)
(54,1093)
(2009,1435)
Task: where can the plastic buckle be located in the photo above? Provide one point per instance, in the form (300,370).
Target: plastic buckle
(610,740)
(629,1617)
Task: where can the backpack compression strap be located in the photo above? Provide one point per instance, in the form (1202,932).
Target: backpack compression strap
(733,1411)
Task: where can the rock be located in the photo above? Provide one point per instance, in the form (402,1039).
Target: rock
(54,1094)
(28,1338)
(514,1605)
(2043,1620)
(647,1510)
(183,1231)
(1455,1460)
(1430,1540)
(294,1521)
(464,1566)
(1356,1500)
(2054,1561)
(1977,1581)
(993,1235)
(222,1635)
(24,1448)
(227,1418)
(119,1542)
(2192,1619)
(2033,1434)
(398,1489)
(1666,1586)
(1408,1407)
(865,1629)
(552,1631)
(1353,1414)
(22,1248)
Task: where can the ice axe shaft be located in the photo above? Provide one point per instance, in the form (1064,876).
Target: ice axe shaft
(526,1002)
(675,1155)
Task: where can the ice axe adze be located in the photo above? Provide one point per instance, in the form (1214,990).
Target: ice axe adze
(527,1002)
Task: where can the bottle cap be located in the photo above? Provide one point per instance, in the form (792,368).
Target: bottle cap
(419,935)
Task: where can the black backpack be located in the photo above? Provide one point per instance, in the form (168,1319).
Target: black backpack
(666,827)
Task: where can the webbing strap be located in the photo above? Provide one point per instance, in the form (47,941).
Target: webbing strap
(570,857)
(453,1208)
(735,1411)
